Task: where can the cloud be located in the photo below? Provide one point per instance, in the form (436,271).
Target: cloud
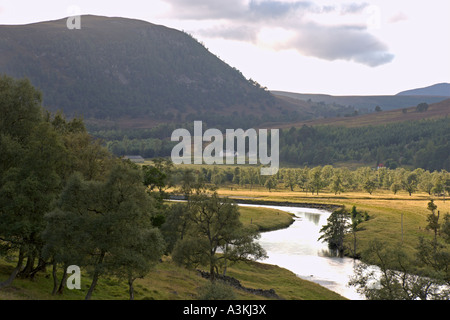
(243,20)
(276,9)
(341,43)
(231,32)
(398,17)
(353,8)
(207,9)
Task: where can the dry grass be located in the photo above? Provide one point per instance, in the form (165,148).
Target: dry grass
(385,209)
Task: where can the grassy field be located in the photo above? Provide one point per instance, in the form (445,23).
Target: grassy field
(386,210)
(167,281)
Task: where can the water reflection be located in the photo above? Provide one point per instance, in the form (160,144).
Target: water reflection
(312,217)
(298,249)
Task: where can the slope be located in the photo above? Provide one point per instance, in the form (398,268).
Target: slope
(365,104)
(435,110)
(129,70)
(439,89)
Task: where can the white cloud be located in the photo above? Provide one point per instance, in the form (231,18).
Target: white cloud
(343,39)
(398,17)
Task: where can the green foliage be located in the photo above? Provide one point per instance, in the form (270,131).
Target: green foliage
(421,144)
(211,224)
(216,290)
(64,199)
(422,107)
(105,226)
(335,230)
(400,276)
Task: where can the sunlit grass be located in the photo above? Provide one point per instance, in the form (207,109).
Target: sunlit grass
(384,208)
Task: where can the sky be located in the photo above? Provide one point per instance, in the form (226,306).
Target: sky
(373,47)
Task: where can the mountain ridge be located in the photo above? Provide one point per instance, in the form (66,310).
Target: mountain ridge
(438,89)
(365,103)
(123,69)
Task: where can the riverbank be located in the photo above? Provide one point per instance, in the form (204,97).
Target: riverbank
(394,219)
(167,281)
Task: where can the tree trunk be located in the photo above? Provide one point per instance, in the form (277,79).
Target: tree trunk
(93,285)
(211,269)
(40,267)
(25,273)
(130,284)
(14,273)
(55,278)
(63,280)
(226,260)
(95,278)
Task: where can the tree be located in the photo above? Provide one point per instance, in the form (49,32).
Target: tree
(426,183)
(402,276)
(433,219)
(335,230)
(315,182)
(32,160)
(433,253)
(396,187)
(214,224)
(422,107)
(369,185)
(105,226)
(336,184)
(290,179)
(158,175)
(271,183)
(396,278)
(410,183)
(356,219)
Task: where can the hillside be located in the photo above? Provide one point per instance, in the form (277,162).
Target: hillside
(440,89)
(435,110)
(134,73)
(365,104)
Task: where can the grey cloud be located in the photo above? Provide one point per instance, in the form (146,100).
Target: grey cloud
(207,9)
(341,43)
(276,9)
(244,19)
(241,33)
(352,8)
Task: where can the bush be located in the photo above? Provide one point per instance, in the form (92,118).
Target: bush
(216,290)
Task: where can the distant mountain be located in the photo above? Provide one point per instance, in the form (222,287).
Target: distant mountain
(435,111)
(365,104)
(440,89)
(135,73)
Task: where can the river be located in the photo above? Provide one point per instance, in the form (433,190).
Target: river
(298,249)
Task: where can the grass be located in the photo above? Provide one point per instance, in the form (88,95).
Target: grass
(168,281)
(265,219)
(384,208)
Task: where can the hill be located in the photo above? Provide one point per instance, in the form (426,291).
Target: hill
(365,104)
(440,89)
(435,110)
(134,73)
